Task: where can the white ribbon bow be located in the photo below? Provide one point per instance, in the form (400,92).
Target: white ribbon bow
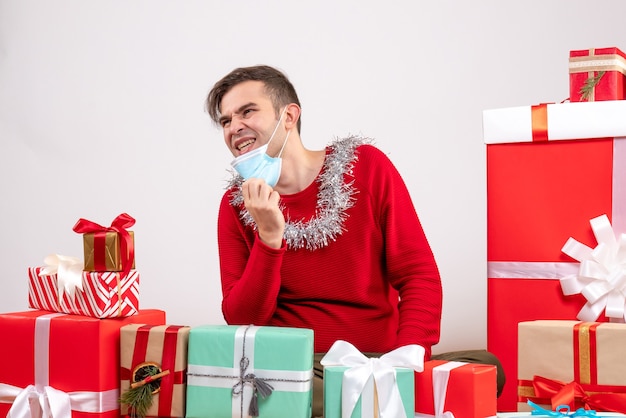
(48,402)
(69,271)
(30,402)
(342,353)
(601,278)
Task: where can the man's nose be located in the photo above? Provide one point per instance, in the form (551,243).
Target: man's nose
(236,125)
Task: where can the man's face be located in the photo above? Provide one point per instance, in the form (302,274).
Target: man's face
(247,117)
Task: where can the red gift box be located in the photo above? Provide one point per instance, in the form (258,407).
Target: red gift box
(467,390)
(66,360)
(103,294)
(539,194)
(156,346)
(603,68)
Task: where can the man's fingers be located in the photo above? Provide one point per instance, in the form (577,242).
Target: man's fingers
(255,189)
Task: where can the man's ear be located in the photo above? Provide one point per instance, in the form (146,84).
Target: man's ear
(292,114)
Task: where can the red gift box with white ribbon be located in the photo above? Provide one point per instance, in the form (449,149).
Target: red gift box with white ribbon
(454,388)
(58,364)
(550,169)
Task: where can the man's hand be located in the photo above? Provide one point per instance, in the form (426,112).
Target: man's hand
(261,201)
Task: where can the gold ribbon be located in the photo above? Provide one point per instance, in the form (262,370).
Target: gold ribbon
(591,63)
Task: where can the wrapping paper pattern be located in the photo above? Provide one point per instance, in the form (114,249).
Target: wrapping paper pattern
(165,346)
(65,355)
(103,294)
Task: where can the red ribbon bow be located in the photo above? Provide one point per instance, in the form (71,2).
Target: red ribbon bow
(575,396)
(119,225)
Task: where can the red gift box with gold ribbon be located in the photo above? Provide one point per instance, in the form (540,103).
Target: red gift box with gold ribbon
(161,349)
(574,363)
(69,364)
(597,74)
(550,169)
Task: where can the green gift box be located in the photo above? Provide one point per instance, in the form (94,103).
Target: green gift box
(356,386)
(233,370)
(368,401)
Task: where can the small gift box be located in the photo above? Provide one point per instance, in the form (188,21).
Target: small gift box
(573,363)
(357,386)
(63,286)
(462,390)
(153,361)
(240,371)
(67,365)
(550,169)
(597,74)
(108,248)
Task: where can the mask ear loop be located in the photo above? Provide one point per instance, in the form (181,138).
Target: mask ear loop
(277,125)
(284,143)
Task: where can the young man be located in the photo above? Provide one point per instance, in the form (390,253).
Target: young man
(328,239)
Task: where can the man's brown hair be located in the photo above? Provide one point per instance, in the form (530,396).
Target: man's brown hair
(277,86)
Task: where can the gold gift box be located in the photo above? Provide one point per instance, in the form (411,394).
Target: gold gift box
(113,254)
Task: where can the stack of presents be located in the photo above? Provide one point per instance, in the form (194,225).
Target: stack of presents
(557,286)
(556,243)
(86,350)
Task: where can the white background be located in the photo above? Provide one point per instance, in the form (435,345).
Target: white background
(101,112)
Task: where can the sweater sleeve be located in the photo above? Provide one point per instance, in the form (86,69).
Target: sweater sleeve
(250,270)
(409,261)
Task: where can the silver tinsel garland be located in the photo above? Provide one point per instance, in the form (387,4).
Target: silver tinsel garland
(335,196)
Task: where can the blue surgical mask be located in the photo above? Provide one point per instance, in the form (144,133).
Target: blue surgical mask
(258,164)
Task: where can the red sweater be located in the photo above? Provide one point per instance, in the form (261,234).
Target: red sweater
(377,285)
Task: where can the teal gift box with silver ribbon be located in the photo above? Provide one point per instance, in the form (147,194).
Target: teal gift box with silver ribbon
(243,371)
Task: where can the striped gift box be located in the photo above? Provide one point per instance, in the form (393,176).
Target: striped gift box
(103,294)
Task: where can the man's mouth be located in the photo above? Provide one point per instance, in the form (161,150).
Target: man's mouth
(242,147)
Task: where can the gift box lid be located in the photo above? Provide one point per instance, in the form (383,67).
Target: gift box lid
(580,120)
(597,59)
